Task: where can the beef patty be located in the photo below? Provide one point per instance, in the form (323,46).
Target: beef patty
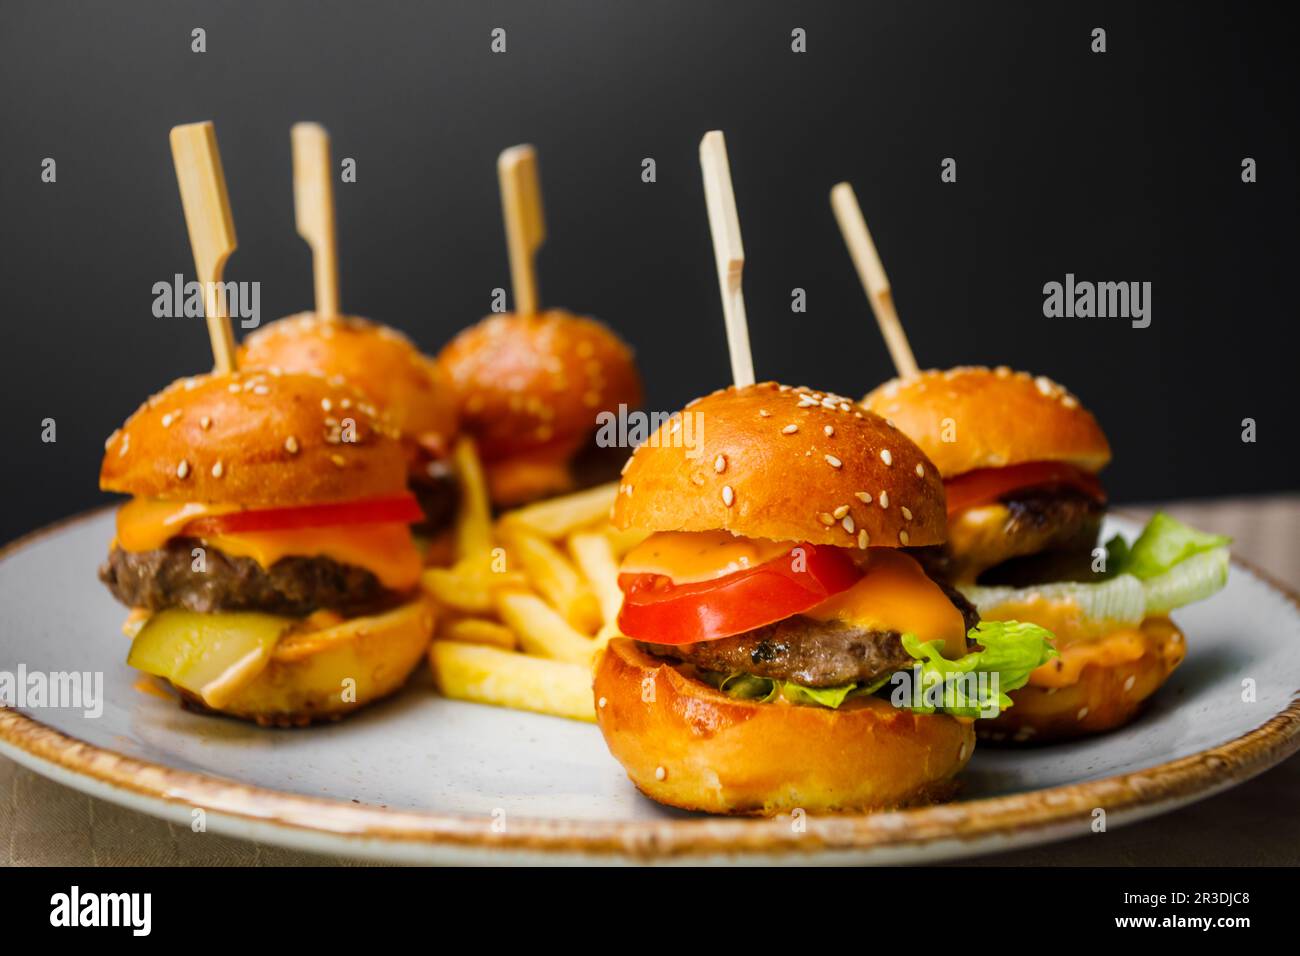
(437,493)
(1032,523)
(808,652)
(165,578)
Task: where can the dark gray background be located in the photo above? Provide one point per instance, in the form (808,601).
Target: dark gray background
(1122,166)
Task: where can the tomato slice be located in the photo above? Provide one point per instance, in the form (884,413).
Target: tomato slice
(654,609)
(986,485)
(400,509)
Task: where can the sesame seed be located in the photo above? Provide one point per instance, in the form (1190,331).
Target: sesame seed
(833,461)
(1069,401)
(826,518)
(1128,683)
(168,419)
(829,430)
(907,513)
(864,539)
(291,445)
(961,753)
(847,523)
(261,390)
(1083,712)
(764,413)
(233,388)
(697,479)
(183,469)
(660,773)
(728,496)
(920,471)
(601,703)
(326,404)
(217,470)
(338,460)
(884,499)
(863,497)
(845,406)
(886,457)
(1044,385)
(720,464)
(840,512)
(902,538)
(205,422)
(789,429)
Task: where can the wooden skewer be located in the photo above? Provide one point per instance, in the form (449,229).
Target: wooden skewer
(871,272)
(211,227)
(729,252)
(521,204)
(313,206)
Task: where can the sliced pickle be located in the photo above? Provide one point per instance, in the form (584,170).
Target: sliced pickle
(210,655)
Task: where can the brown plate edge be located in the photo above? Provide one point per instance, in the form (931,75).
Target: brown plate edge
(1047,811)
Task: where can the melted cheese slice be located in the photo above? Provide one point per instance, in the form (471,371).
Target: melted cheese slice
(688,557)
(386,550)
(896,595)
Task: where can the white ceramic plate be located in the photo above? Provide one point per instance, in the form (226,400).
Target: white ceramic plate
(423,779)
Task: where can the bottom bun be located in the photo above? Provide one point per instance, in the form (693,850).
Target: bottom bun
(687,745)
(305,678)
(1107,694)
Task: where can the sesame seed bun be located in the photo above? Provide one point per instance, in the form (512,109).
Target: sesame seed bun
(1107,694)
(379,361)
(787,464)
(993,418)
(687,745)
(257,439)
(536,382)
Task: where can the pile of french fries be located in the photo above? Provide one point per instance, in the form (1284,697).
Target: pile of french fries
(530,600)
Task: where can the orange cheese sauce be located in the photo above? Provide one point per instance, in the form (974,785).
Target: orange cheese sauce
(1118,647)
(688,557)
(387,550)
(896,595)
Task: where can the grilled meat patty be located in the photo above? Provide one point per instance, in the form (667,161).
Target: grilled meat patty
(1034,522)
(808,652)
(296,586)
(437,493)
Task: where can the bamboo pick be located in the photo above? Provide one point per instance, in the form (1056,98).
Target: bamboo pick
(521,205)
(871,272)
(211,227)
(313,205)
(729,252)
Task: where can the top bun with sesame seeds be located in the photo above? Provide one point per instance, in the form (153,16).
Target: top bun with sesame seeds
(529,389)
(785,464)
(255,438)
(379,361)
(969,417)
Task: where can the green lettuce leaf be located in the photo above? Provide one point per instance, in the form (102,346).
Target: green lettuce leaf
(1009,649)
(830,697)
(1163,543)
(1010,652)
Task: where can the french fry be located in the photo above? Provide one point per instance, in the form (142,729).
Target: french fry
(555,578)
(476,630)
(556,517)
(541,629)
(487,675)
(624,541)
(594,555)
(468,587)
(474,518)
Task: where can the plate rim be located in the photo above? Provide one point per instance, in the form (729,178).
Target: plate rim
(1023,817)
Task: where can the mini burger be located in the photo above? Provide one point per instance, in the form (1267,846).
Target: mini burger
(529,390)
(392,374)
(269,565)
(778,636)
(1019,456)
